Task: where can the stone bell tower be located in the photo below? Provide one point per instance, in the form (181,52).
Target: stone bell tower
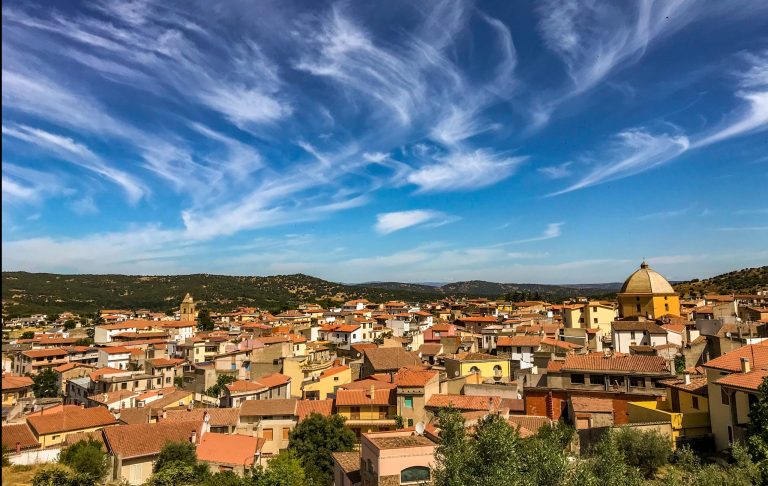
(187,308)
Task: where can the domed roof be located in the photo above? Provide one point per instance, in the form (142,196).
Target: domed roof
(646,281)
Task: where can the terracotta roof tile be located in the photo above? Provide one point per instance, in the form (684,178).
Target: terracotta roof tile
(697,386)
(265,408)
(591,404)
(349,463)
(333,370)
(464,402)
(304,408)
(274,379)
(71,418)
(219,417)
(141,440)
(386,359)
(620,363)
(430,349)
(11,382)
(756,353)
(409,377)
(232,449)
(244,386)
(560,344)
(746,381)
(21,434)
(45,353)
(364,397)
(521,341)
(529,423)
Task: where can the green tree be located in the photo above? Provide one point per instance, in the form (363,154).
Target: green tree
(84,342)
(28,335)
(96,319)
(225,478)
(6,451)
(221,381)
(59,475)
(313,441)
(608,464)
(757,433)
(679,364)
(70,324)
(204,321)
(45,384)
(497,452)
(283,470)
(399,422)
(183,452)
(176,473)
(546,452)
(453,456)
(647,451)
(178,382)
(85,457)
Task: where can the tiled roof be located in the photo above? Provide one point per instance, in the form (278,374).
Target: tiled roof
(521,341)
(398,442)
(219,417)
(141,440)
(555,366)
(529,423)
(409,377)
(464,402)
(478,319)
(747,381)
(697,386)
(163,362)
(116,350)
(385,359)
(333,370)
(476,357)
(266,408)
(366,384)
(430,349)
(232,449)
(349,462)
(560,344)
(304,408)
(243,386)
(380,396)
(112,397)
(135,415)
(678,328)
(96,435)
(646,326)
(621,363)
(11,382)
(169,399)
(756,353)
(21,434)
(71,418)
(274,379)
(591,404)
(44,353)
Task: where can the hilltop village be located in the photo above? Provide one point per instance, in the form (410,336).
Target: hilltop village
(236,384)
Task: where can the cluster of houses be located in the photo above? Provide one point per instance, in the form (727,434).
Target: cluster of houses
(687,368)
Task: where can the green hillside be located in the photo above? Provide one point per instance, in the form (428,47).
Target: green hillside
(745,281)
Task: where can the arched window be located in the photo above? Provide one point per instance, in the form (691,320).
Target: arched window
(415,474)
(474,370)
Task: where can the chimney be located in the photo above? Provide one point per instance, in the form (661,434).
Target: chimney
(687,378)
(372,392)
(18,447)
(193,437)
(165,414)
(745,367)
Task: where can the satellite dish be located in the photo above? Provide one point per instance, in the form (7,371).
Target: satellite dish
(728,335)
(456,373)
(420,428)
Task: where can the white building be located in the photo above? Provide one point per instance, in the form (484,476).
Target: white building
(637,333)
(114,357)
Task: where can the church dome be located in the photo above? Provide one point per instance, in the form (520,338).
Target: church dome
(646,281)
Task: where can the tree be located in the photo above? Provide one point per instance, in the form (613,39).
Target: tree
(453,456)
(70,324)
(399,422)
(183,452)
(176,473)
(204,321)
(283,470)
(6,451)
(546,452)
(97,319)
(45,384)
(178,382)
(84,342)
(647,451)
(28,335)
(757,433)
(679,364)
(313,441)
(85,457)
(221,382)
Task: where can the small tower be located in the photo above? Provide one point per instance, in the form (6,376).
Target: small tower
(187,308)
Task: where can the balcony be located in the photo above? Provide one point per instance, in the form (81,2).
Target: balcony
(316,366)
(655,411)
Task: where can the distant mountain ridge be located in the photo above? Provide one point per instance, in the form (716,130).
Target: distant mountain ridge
(25,293)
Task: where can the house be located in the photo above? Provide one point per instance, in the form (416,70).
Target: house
(414,389)
(15,388)
(18,437)
(220,420)
(269,420)
(33,361)
(167,369)
(637,333)
(134,448)
(733,379)
(51,427)
(179,330)
(397,457)
(429,352)
(367,410)
(342,335)
(590,315)
(116,357)
(386,360)
(686,408)
(487,366)
(71,370)
(267,387)
(518,349)
(326,383)
(223,452)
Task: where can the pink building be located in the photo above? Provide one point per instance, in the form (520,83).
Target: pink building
(390,458)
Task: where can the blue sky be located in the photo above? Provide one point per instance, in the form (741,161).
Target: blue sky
(554,142)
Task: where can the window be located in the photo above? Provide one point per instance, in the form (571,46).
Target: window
(577,379)
(408,402)
(636,381)
(695,402)
(617,381)
(124,386)
(286,432)
(594,321)
(410,422)
(474,370)
(267,434)
(415,474)
(581,320)
(596,379)
(594,309)
(638,307)
(726,399)
(634,336)
(519,350)
(666,306)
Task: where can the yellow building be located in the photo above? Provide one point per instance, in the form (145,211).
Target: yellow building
(367,410)
(15,388)
(187,309)
(589,316)
(686,408)
(485,365)
(647,294)
(52,426)
(327,382)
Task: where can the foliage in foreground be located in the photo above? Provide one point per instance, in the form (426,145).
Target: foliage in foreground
(315,439)
(87,458)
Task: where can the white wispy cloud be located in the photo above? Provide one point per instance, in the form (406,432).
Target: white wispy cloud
(668,214)
(743,228)
(557,171)
(553,230)
(633,151)
(395,221)
(459,171)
